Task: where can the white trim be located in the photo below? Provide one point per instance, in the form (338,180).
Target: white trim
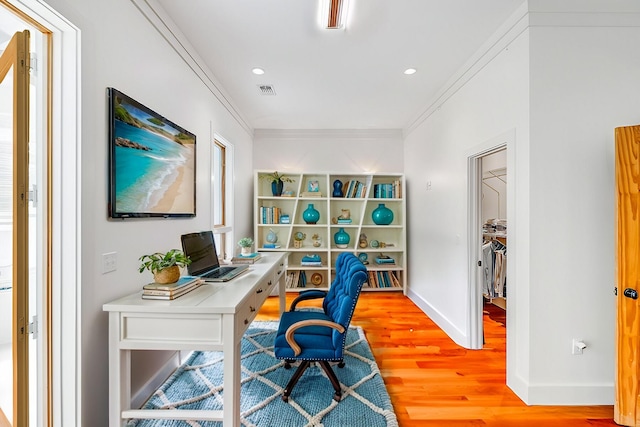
(443,323)
(66,206)
(297,134)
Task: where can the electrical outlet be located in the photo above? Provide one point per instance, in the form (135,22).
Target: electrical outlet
(577,347)
(109,262)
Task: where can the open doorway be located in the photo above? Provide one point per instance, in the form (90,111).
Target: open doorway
(494,239)
(487,173)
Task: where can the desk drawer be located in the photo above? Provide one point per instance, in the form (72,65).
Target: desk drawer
(246,314)
(170,331)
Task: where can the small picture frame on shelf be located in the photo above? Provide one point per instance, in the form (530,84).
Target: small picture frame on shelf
(313,186)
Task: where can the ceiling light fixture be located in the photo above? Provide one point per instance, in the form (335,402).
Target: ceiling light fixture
(258,71)
(332,13)
(410,71)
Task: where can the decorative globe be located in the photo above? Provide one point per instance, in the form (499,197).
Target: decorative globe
(382,215)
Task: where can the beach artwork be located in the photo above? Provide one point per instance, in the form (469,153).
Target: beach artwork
(153,163)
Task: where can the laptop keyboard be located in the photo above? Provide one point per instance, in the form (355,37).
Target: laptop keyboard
(219,272)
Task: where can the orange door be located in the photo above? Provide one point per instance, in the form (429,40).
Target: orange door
(627,274)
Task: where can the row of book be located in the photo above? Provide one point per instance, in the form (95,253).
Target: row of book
(296,279)
(384,279)
(391,190)
(270,215)
(170,291)
(354,189)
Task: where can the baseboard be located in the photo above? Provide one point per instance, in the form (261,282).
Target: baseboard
(571,395)
(443,323)
(140,396)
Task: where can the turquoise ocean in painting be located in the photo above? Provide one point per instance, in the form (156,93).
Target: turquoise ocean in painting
(142,177)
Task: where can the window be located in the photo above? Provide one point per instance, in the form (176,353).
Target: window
(221,198)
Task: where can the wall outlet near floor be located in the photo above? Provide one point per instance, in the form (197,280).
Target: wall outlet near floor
(577,347)
(109,262)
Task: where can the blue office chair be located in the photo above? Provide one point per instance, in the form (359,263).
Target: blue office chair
(319,336)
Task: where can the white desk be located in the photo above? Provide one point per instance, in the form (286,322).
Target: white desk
(211,318)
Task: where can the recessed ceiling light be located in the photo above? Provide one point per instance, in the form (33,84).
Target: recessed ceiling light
(410,71)
(258,71)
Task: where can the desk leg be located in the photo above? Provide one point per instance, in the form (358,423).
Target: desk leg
(232,378)
(119,373)
(282,293)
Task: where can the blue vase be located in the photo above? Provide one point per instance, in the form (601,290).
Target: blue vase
(277,187)
(382,215)
(337,188)
(311,214)
(341,238)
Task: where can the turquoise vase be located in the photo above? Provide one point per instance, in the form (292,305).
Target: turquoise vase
(382,215)
(277,187)
(341,238)
(311,214)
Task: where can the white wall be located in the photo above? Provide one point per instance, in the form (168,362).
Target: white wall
(121,49)
(329,150)
(563,85)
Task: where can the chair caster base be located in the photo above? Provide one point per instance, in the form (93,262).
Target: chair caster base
(285,399)
(337,397)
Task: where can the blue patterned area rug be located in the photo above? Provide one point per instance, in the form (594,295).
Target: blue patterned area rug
(197,384)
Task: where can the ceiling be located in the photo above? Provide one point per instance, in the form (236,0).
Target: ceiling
(335,79)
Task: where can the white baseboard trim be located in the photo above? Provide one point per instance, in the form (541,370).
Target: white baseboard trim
(140,396)
(450,329)
(571,395)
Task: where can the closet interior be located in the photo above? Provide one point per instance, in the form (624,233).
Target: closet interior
(494,229)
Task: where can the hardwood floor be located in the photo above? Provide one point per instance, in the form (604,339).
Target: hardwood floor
(434,382)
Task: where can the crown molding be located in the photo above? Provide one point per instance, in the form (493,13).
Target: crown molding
(163,23)
(301,134)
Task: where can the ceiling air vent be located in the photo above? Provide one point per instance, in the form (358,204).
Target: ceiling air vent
(267,89)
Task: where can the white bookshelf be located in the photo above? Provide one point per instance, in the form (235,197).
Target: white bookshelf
(391,239)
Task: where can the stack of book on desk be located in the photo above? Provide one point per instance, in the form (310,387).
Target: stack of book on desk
(246,259)
(170,291)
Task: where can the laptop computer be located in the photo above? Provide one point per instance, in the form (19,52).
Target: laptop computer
(201,249)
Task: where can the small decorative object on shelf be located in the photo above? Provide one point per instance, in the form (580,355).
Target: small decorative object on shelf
(364,258)
(285,219)
(271,236)
(245,244)
(382,215)
(317,240)
(362,242)
(298,237)
(311,215)
(337,188)
(341,238)
(316,279)
(164,267)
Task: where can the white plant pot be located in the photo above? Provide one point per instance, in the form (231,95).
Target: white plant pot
(246,251)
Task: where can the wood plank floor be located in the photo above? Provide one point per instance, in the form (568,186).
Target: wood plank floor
(434,382)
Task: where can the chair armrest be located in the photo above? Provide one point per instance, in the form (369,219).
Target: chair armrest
(307,295)
(311,322)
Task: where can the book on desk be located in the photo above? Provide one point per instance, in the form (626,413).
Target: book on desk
(169,291)
(246,259)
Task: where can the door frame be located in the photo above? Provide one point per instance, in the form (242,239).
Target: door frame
(59,391)
(474,231)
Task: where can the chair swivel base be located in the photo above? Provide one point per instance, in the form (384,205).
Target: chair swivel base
(303,366)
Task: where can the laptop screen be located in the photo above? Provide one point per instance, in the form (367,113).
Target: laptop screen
(201,249)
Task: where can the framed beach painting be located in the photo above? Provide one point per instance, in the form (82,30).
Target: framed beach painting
(152,165)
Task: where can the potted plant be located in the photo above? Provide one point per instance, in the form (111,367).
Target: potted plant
(165,267)
(277,181)
(245,245)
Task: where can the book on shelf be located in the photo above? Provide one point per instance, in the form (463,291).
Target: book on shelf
(385,259)
(171,294)
(344,221)
(311,194)
(271,246)
(311,263)
(246,259)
